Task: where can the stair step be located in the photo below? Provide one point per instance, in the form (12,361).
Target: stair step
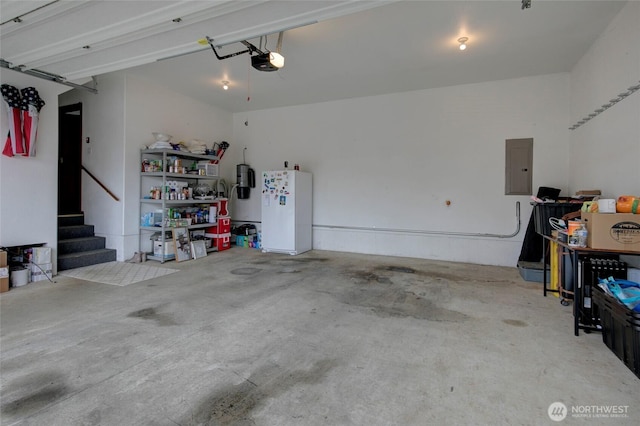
(75,231)
(71,219)
(77,244)
(85,258)
(73,245)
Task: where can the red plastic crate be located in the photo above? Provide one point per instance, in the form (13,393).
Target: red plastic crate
(224,225)
(222,241)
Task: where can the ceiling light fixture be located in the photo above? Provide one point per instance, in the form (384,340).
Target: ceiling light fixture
(276,59)
(268,61)
(463,42)
(225,85)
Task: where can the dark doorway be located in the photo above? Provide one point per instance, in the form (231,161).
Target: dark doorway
(69,159)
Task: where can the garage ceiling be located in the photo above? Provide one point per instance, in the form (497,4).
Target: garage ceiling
(332,49)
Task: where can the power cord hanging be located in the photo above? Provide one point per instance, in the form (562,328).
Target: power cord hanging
(249,80)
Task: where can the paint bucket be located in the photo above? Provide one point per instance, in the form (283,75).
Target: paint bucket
(19,276)
(572,225)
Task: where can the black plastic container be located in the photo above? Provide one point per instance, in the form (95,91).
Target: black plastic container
(595,268)
(620,329)
(543,211)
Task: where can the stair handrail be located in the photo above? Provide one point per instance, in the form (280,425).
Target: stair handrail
(102,185)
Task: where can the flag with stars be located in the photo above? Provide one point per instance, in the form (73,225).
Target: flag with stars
(31,106)
(15,142)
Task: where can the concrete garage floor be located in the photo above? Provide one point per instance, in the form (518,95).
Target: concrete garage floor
(323,338)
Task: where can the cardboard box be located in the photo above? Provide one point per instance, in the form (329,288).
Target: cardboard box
(41,255)
(589,192)
(3,258)
(613,231)
(41,272)
(4,284)
(169,250)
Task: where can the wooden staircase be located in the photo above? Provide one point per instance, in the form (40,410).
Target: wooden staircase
(77,244)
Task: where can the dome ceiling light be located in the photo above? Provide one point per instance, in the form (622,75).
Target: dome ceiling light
(463,42)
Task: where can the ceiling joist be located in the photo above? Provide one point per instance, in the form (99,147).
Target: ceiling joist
(50,77)
(125,31)
(78,39)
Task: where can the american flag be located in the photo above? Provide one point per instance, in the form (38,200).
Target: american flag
(15,141)
(23,107)
(31,104)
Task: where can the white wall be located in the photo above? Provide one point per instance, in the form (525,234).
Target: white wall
(29,185)
(605,151)
(392,161)
(120,120)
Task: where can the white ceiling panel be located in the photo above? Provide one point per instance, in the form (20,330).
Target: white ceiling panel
(332,49)
(136,32)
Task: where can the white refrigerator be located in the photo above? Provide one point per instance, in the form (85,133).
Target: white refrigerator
(286,211)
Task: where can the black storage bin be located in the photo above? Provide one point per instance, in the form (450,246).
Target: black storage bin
(620,329)
(593,269)
(543,211)
(635,336)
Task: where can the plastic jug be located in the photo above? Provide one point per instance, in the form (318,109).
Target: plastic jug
(581,235)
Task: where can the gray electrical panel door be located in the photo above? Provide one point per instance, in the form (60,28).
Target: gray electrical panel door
(519,166)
